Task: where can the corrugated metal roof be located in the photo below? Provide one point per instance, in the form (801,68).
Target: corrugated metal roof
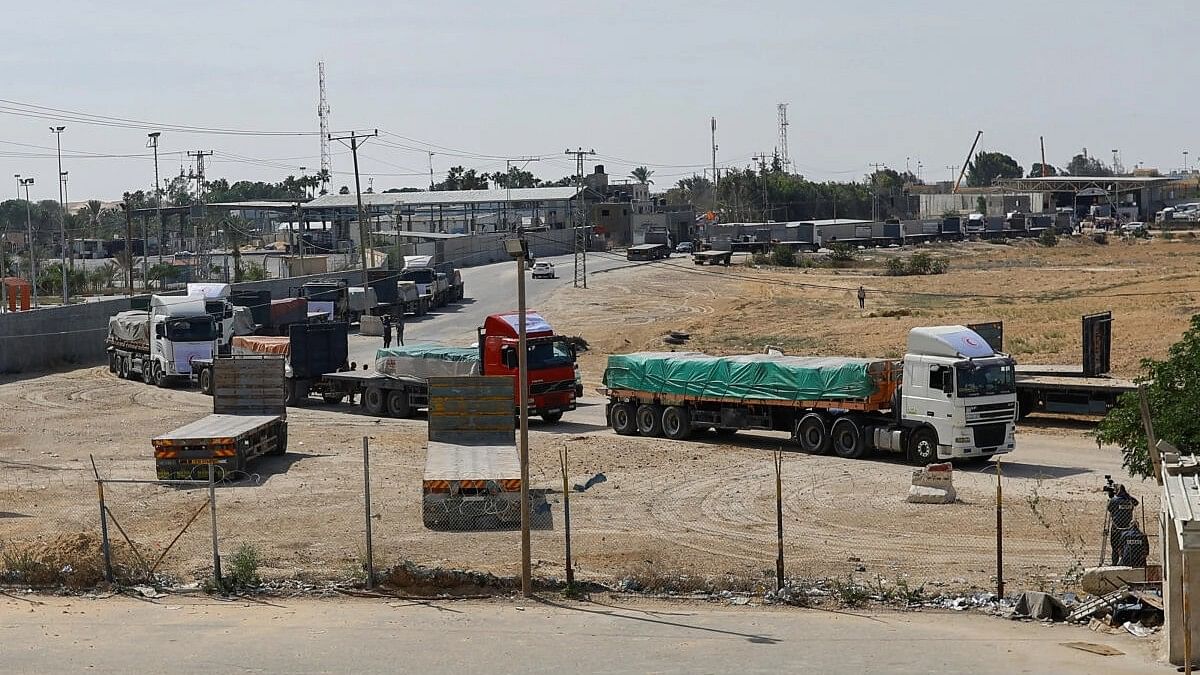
(445,197)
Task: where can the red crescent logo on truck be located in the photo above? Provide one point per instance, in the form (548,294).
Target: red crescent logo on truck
(970,341)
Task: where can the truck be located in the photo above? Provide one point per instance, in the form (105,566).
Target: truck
(398,386)
(975,225)
(231,319)
(472,477)
(1087,389)
(420,270)
(249,420)
(648,252)
(309,351)
(951,397)
(395,296)
(160,343)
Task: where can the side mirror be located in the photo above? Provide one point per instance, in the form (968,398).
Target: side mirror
(508,356)
(159,331)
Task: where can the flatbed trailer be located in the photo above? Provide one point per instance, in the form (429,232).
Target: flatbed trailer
(648,252)
(249,420)
(379,394)
(1065,389)
(713,257)
(472,477)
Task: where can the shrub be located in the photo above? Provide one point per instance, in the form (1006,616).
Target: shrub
(896,267)
(1100,238)
(783,256)
(919,264)
(1048,238)
(842,252)
(244,567)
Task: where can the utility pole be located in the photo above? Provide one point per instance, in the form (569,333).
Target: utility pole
(153,143)
(62,211)
(25,183)
(581,233)
(431,170)
(62,179)
(128,247)
(356,142)
(874,190)
(199,156)
(715,182)
(1042,142)
(761,158)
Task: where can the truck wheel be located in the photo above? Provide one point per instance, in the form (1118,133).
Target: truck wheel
(160,376)
(922,447)
(148,372)
(620,418)
(373,401)
(123,367)
(552,417)
(1025,405)
(649,420)
(676,423)
(397,404)
(812,434)
(112,363)
(206,382)
(332,398)
(846,439)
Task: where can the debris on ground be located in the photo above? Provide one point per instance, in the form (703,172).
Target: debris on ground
(1137,612)
(933,484)
(1102,650)
(598,478)
(1038,605)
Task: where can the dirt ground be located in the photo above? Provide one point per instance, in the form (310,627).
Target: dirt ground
(699,509)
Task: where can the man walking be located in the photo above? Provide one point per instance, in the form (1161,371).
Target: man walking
(387,331)
(400,329)
(862,298)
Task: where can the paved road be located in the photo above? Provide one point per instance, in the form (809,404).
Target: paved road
(204,635)
(489,289)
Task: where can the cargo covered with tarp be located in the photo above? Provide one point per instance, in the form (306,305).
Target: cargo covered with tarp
(131,326)
(761,377)
(249,345)
(425,361)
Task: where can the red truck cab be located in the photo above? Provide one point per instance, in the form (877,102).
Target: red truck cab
(551,361)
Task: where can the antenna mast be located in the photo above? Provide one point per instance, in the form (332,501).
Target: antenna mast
(323,114)
(784,161)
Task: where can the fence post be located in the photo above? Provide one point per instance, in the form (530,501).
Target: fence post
(212,510)
(779,519)
(567,518)
(367,512)
(999,534)
(104,547)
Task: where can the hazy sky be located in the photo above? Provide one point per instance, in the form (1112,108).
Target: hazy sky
(867,81)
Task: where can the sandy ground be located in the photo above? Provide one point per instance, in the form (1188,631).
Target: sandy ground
(697,508)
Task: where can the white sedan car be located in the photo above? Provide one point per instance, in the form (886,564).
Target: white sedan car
(543,270)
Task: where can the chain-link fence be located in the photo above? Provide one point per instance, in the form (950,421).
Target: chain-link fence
(658,527)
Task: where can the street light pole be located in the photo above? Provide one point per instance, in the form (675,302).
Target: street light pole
(25,183)
(157,200)
(62,211)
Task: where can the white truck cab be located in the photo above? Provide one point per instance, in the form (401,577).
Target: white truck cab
(181,330)
(957,386)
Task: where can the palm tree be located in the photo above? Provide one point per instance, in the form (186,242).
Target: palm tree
(92,210)
(642,175)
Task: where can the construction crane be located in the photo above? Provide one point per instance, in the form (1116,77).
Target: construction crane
(968,162)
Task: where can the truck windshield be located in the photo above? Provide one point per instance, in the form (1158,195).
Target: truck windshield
(194,329)
(985,380)
(549,355)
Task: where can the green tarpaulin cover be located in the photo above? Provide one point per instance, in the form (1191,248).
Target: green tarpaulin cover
(425,361)
(751,376)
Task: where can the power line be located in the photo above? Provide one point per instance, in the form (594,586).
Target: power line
(17,108)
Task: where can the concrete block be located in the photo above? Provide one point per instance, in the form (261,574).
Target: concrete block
(370,325)
(919,494)
(933,484)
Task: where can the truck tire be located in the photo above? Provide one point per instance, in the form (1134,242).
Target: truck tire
(160,376)
(922,447)
(148,372)
(397,404)
(552,417)
(112,363)
(846,438)
(812,435)
(373,401)
(621,419)
(206,381)
(649,420)
(123,367)
(1026,402)
(676,423)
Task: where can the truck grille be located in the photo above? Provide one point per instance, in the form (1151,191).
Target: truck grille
(548,387)
(991,412)
(989,435)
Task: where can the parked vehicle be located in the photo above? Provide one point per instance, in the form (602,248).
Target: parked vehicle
(543,270)
(329,298)
(309,351)
(975,225)
(1134,228)
(648,252)
(419,269)
(231,319)
(713,258)
(249,420)
(684,247)
(398,386)
(952,397)
(161,343)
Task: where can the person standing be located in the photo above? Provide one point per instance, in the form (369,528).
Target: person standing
(862,298)
(387,331)
(1120,513)
(400,329)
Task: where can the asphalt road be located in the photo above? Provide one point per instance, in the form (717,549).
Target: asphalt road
(607,635)
(490,289)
